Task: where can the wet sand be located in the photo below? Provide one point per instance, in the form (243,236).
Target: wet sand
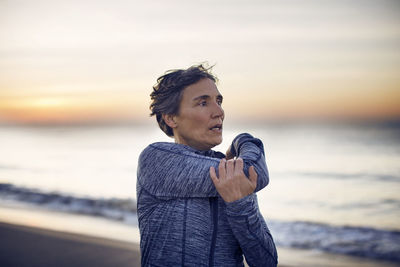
(26,246)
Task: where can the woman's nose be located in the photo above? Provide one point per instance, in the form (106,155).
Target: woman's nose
(218,111)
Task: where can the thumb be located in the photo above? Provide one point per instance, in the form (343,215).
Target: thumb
(253,176)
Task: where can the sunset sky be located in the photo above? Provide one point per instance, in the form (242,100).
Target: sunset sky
(84,61)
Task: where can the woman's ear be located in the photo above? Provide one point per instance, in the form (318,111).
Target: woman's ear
(170,120)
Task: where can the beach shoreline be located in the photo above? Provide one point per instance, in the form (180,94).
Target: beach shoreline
(33,236)
(34,246)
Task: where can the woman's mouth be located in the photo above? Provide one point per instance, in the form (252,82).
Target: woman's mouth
(216,128)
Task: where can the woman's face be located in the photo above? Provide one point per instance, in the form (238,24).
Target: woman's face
(200,118)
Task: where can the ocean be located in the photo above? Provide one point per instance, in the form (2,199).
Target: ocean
(333,187)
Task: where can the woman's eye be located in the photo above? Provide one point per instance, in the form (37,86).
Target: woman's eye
(203,103)
(219,102)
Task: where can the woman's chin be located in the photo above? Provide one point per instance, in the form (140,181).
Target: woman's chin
(217,141)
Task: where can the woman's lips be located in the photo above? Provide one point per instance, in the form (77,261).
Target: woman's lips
(217,128)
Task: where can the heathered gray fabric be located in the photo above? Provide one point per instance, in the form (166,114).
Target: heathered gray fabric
(182,219)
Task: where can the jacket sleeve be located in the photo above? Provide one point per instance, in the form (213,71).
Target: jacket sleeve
(167,170)
(251,150)
(251,231)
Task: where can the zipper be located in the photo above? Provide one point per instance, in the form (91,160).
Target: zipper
(214,218)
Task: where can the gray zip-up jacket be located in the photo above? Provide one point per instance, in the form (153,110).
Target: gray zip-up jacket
(182,219)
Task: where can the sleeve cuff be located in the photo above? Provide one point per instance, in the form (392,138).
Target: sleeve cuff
(240,207)
(237,142)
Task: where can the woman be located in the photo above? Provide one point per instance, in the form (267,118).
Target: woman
(198,207)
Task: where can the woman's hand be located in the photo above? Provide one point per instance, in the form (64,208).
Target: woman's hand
(232,184)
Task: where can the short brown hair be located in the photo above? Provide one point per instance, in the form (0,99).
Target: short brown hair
(167,92)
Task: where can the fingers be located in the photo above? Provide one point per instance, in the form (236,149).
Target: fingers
(230,167)
(222,169)
(239,166)
(253,176)
(213,175)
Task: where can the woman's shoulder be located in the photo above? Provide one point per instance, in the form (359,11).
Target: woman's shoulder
(171,149)
(167,147)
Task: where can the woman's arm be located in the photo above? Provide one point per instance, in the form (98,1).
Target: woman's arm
(251,231)
(245,220)
(170,170)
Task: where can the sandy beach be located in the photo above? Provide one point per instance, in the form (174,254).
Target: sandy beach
(40,237)
(27,246)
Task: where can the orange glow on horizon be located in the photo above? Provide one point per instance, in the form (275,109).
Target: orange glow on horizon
(333,105)
(59,110)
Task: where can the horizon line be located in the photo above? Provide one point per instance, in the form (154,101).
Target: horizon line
(149,121)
